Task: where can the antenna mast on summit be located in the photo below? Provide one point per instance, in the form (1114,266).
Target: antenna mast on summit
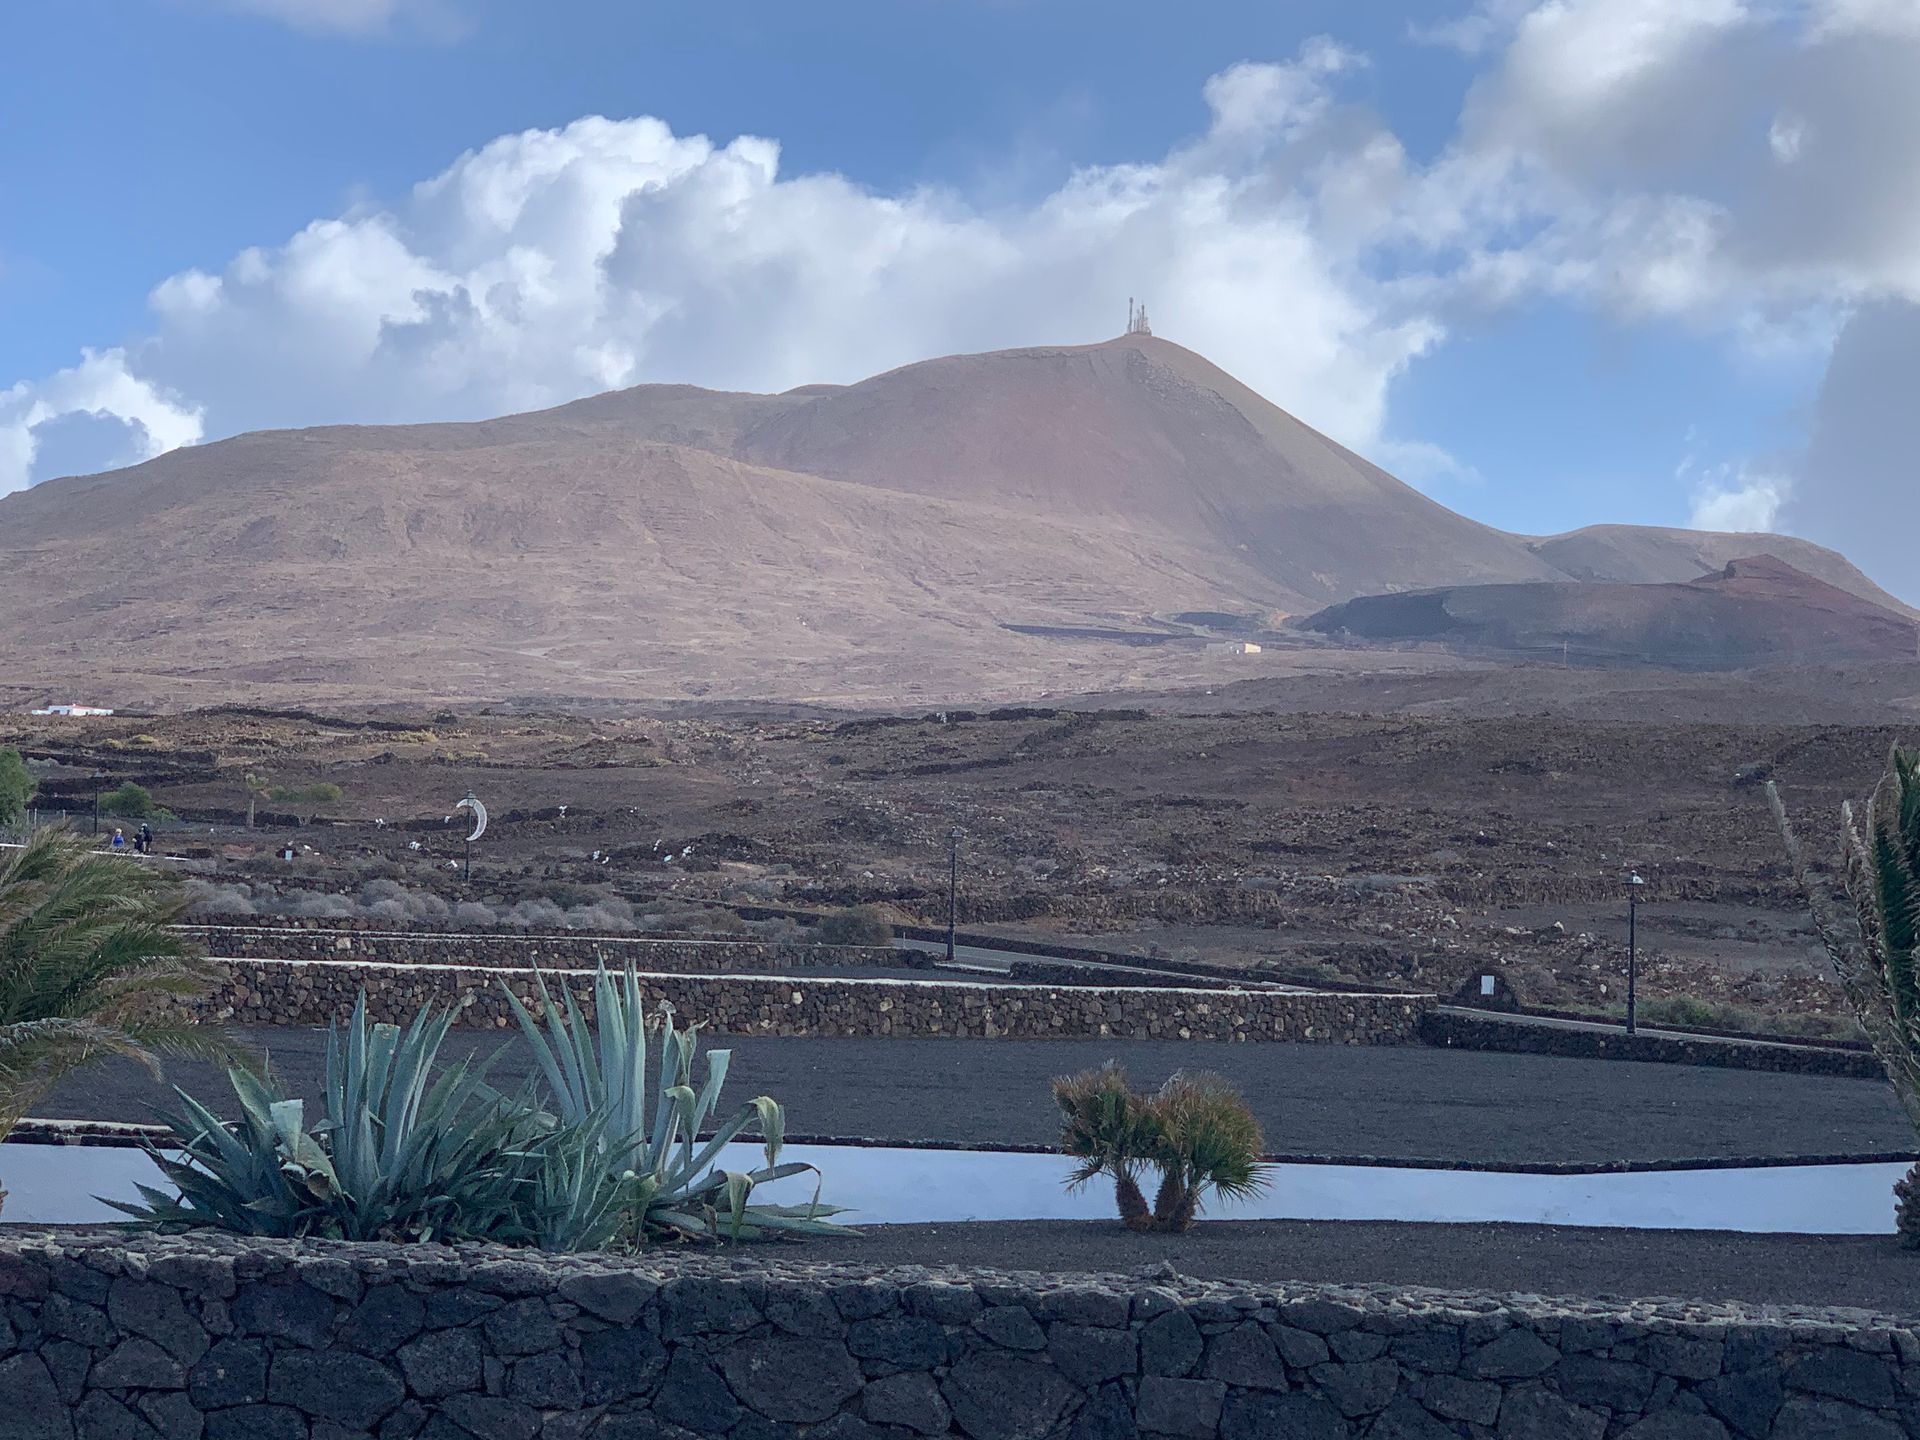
(1137,319)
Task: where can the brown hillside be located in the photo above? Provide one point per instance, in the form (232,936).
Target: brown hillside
(872,541)
(1141,431)
(1758,610)
(1651,555)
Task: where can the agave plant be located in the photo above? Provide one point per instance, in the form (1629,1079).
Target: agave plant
(1876,951)
(401,1153)
(1196,1131)
(597,1079)
(89,968)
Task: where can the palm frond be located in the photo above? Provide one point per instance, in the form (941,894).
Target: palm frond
(1875,950)
(90,966)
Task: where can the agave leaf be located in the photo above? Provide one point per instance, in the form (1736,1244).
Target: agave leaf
(689,1221)
(737,1186)
(723,1136)
(773,1125)
(665,1106)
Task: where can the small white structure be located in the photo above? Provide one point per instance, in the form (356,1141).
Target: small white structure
(1232,647)
(73,710)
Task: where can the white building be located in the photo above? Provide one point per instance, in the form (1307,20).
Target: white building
(1232,647)
(73,710)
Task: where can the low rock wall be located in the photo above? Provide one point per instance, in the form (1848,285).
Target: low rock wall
(555,952)
(230,1339)
(1492,1032)
(281,992)
(1060,972)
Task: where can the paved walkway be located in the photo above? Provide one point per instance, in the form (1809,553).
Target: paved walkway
(1407,1103)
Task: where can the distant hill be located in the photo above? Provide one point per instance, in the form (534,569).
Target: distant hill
(1649,554)
(870,541)
(1755,611)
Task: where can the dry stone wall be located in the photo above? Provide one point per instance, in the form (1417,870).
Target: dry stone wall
(229,1339)
(282,992)
(578,951)
(1453,1028)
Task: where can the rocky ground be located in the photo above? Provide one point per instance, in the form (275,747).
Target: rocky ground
(1414,848)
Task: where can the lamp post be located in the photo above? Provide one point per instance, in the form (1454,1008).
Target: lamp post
(97,777)
(953,885)
(1634,882)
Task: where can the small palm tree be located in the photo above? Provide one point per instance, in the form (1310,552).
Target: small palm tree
(1208,1140)
(1876,951)
(1110,1131)
(1197,1132)
(89,967)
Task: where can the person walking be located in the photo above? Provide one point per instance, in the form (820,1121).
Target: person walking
(143,842)
(119,838)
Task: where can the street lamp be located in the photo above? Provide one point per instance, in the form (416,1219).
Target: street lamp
(1634,882)
(97,778)
(953,885)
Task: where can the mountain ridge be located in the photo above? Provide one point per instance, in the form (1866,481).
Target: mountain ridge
(666,540)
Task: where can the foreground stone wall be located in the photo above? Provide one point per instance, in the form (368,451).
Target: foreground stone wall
(262,1340)
(281,992)
(678,954)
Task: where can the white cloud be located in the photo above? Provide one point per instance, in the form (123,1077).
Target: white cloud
(100,386)
(1738,166)
(1731,497)
(1277,102)
(1898,18)
(1655,156)
(1787,137)
(1477,31)
(1858,484)
(347,17)
(1572,61)
(555,263)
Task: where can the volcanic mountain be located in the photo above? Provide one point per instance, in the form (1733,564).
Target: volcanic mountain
(865,541)
(1755,611)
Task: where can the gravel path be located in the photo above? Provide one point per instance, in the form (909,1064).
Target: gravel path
(1868,1272)
(1407,1103)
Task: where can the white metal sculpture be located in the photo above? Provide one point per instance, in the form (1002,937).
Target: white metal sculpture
(472,802)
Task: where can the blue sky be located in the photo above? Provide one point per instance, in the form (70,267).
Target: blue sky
(1552,260)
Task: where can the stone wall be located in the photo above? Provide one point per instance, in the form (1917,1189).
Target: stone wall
(1061,972)
(227,1339)
(576,951)
(281,992)
(1491,1032)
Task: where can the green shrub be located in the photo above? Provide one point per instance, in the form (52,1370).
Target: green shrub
(861,925)
(325,792)
(16,788)
(135,802)
(1196,1131)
